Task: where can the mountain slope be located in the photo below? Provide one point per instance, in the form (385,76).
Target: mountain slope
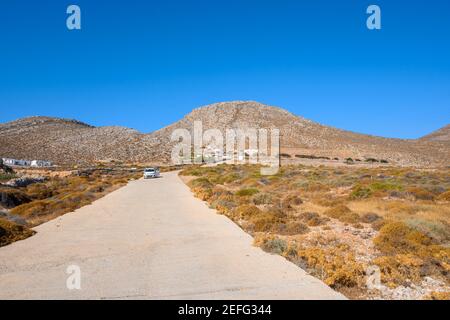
(441,135)
(69,141)
(303,136)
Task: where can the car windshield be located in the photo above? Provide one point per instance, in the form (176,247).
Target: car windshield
(149,170)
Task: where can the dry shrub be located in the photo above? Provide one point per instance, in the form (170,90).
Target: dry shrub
(384,186)
(11,232)
(98,188)
(40,191)
(398,238)
(316,187)
(370,217)
(399,269)
(409,255)
(290,202)
(34,208)
(312,219)
(438,230)
(378,224)
(224,202)
(336,266)
(203,194)
(277,212)
(119,181)
(343,214)
(224,206)
(262,198)
(60,195)
(271,244)
(290,228)
(247,192)
(398,207)
(438,296)
(247,212)
(350,218)
(444,196)
(7,176)
(230,177)
(327,201)
(360,192)
(337,211)
(265,222)
(201,183)
(374,189)
(12,197)
(420,193)
(62,204)
(192,171)
(75,199)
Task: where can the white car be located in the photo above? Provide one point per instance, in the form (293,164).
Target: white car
(151,173)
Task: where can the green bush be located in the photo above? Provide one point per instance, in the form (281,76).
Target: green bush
(247,192)
(201,183)
(385,186)
(272,244)
(360,192)
(7,176)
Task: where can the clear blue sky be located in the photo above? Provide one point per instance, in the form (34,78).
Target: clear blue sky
(144,64)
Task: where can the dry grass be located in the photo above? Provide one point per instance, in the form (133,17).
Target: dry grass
(7,176)
(11,197)
(11,232)
(337,266)
(395,218)
(41,202)
(409,255)
(438,296)
(343,214)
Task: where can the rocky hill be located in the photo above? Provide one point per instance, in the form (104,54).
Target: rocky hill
(67,141)
(441,135)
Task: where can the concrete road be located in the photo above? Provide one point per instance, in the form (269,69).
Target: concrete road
(150,240)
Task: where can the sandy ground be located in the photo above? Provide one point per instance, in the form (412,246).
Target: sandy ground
(150,240)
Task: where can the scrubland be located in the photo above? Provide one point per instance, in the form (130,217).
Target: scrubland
(22,208)
(348,226)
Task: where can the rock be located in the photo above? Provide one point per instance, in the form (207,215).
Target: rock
(10,197)
(24,181)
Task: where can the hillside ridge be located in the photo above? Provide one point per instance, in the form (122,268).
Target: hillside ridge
(68,141)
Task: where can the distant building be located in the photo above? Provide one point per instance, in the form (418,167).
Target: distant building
(16,162)
(40,163)
(8,162)
(26,163)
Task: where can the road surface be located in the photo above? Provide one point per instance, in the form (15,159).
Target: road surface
(150,240)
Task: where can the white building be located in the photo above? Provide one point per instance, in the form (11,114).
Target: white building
(8,162)
(40,163)
(16,162)
(26,163)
